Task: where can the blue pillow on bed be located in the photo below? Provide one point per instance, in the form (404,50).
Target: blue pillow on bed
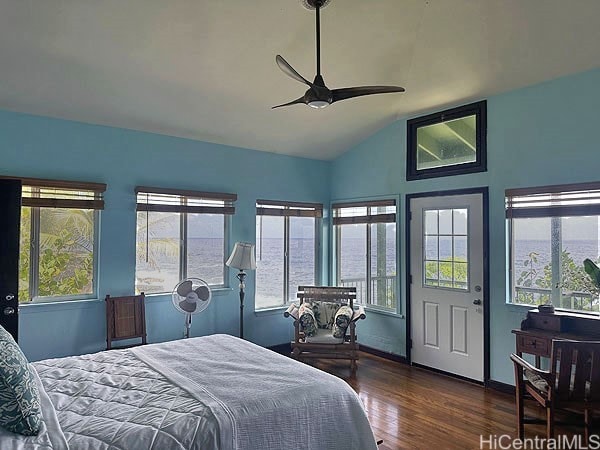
(20,410)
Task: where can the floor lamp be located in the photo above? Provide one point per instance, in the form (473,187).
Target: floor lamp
(242,258)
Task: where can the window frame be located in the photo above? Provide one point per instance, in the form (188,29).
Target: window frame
(182,209)
(368,220)
(287,210)
(84,196)
(537,200)
(479,109)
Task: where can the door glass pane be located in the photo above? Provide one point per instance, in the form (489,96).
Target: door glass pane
(431,222)
(460,221)
(383,265)
(66,255)
(431,247)
(269,261)
(445,257)
(445,221)
(353,256)
(302,254)
(206,247)
(157,252)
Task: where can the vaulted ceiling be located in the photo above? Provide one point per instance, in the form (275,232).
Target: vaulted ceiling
(205,69)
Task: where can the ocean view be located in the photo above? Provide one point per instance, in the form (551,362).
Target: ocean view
(206,256)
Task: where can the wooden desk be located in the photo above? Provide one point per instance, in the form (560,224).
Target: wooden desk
(539,342)
(538,330)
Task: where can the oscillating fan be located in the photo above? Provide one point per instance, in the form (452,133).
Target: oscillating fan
(191,296)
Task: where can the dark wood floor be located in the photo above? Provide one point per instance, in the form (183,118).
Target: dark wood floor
(412,408)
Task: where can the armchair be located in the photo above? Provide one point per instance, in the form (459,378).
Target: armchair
(324,344)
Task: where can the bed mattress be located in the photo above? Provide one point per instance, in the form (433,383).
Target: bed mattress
(213,392)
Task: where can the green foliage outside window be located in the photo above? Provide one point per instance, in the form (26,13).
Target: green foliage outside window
(64,250)
(578,291)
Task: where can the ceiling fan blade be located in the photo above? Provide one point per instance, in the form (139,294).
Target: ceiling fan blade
(290,71)
(293,102)
(345,93)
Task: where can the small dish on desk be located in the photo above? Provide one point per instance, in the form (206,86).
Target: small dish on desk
(547,308)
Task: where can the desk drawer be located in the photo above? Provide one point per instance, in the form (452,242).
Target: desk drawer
(548,322)
(534,345)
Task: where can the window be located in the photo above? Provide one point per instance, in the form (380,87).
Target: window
(551,231)
(445,262)
(365,258)
(59,230)
(287,249)
(180,234)
(450,142)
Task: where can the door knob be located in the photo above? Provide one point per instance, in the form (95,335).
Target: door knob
(9,311)
(477,301)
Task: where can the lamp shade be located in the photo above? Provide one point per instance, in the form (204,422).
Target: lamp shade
(242,257)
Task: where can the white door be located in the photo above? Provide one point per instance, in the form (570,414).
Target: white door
(446,260)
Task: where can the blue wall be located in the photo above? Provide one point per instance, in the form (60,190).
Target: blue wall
(540,135)
(544,134)
(32,146)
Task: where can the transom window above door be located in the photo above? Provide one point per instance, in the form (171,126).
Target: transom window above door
(446,241)
(450,142)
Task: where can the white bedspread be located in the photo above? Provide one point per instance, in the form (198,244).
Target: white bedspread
(214,392)
(268,401)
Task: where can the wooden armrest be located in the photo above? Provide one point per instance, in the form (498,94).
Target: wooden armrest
(359,313)
(518,361)
(291,311)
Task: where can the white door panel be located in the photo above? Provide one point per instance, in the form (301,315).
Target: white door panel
(446,249)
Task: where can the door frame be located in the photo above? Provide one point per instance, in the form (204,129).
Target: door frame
(484,191)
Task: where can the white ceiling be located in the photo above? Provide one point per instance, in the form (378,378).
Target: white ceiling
(205,69)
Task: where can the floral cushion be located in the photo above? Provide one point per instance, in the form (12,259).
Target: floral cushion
(20,410)
(306,317)
(325,314)
(343,317)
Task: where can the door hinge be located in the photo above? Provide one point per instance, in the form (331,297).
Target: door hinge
(410,343)
(410,279)
(410,215)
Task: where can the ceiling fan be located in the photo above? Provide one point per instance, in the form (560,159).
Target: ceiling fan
(318,95)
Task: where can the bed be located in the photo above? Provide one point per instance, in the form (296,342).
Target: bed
(212,392)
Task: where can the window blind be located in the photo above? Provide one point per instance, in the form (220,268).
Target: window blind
(184,201)
(376,211)
(553,201)
(42,193)
(292,209)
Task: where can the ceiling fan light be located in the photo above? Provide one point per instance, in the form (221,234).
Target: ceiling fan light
(318,104)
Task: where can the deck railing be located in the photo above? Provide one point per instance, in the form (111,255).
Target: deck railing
(576,300)
(383,290)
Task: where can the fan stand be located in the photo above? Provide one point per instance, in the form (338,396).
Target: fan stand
(188,325)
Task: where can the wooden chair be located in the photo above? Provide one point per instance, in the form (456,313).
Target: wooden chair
(572,383)
(303,348)
(125,319)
